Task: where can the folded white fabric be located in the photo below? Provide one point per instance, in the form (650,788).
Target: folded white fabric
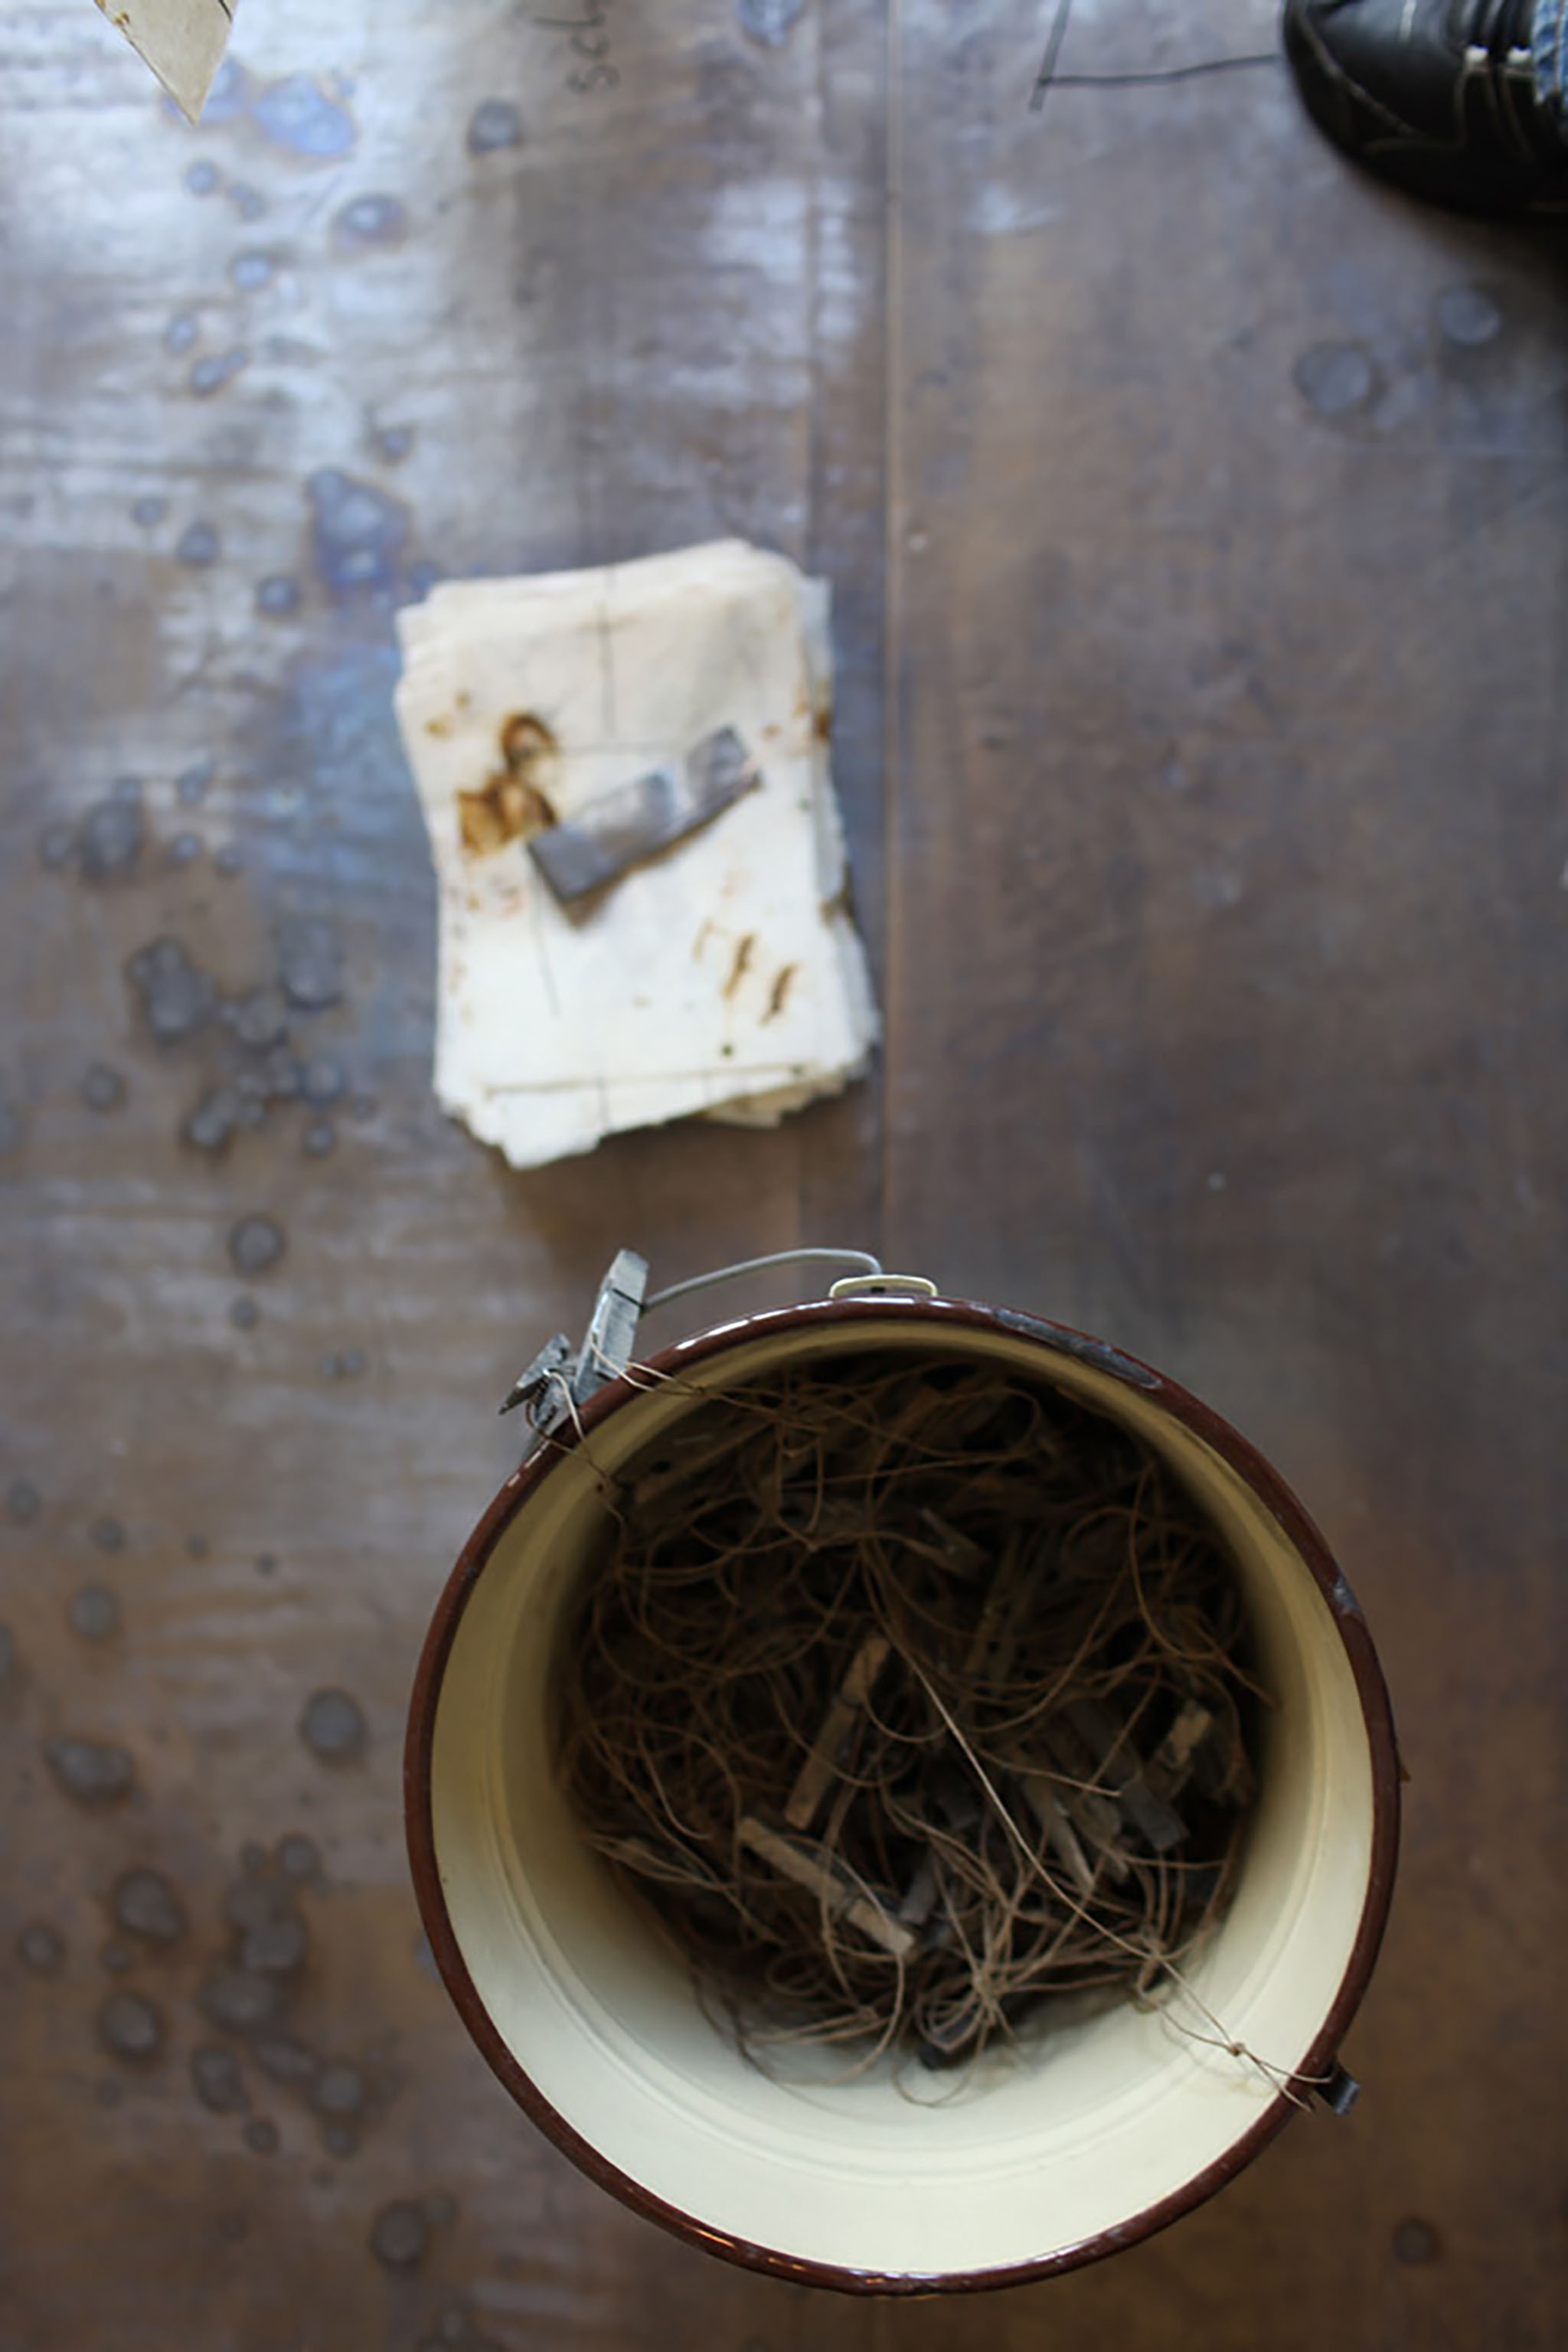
(723,976)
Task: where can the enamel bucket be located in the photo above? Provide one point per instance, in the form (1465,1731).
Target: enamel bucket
(1043,2157)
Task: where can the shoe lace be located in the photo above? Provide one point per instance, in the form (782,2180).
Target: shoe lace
(1501,27)
(1500,31)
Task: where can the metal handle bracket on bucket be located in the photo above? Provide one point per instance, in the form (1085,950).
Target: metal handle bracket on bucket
(884,1286)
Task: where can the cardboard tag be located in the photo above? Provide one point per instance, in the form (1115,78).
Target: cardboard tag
(182,40)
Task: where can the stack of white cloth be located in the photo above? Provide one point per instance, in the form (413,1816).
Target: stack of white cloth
(721,976)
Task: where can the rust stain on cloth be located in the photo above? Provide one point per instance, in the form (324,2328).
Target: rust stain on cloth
(741,967)
(779,994)
(512,802)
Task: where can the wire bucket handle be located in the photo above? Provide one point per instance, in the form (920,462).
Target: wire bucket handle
(559,1378)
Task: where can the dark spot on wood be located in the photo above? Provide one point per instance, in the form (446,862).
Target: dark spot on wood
(332,1726)
(1467,315)
(323,1079)
(399,2236)
(769,23)
(1416,2243)
(112,837)
(145,1904)
(340,2090)
(255,1244)
(238,2001)
(309,960)
(23,1502)
(94,1613)
(1335,378)
(358,532)
(274,1949)
(284,2059)
(298,112)
(102,1087)
(493,125)
(298,1855)
(259,1018)
(257,1899)
(90,1772)
(199,545)
(278,595)
(41,1949)
(129,2027)
(212,1123)
(208,375)
(370,221)
(176,997)
(216,2079)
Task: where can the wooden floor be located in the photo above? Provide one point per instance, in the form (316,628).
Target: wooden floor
(1196,522)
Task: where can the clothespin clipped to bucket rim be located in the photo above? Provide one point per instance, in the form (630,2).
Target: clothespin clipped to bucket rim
(559,1377)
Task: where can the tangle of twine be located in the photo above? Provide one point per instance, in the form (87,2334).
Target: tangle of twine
(876,1699)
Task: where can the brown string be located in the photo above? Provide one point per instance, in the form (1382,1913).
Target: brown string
(999,1818)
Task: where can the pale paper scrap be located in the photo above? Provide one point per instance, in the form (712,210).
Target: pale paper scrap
(724,977)
(182,40)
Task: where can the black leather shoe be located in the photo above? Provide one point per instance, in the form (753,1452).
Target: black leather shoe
(1438,95)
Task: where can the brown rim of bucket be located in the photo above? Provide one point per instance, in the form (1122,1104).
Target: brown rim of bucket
(1266,1484)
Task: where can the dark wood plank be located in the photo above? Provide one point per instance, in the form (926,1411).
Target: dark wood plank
(1225,969)
(656,316)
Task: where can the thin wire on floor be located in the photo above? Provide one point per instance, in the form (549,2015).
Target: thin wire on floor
(1049,78)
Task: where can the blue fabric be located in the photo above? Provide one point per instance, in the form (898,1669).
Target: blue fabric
(1549,50)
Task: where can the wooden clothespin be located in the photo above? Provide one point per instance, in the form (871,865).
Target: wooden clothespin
(831,1745)
(838,1891)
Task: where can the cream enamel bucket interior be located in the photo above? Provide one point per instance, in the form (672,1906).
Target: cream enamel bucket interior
(1066,2146)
